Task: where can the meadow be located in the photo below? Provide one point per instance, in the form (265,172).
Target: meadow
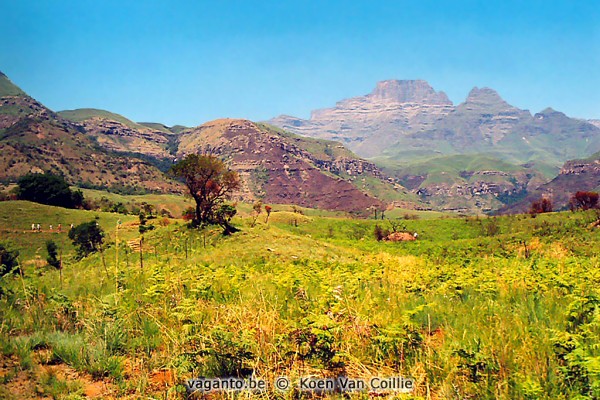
(476,308)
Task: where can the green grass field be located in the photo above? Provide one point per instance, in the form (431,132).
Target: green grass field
(476,308)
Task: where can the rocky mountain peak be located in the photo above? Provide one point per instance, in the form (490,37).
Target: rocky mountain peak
(484,96)
(408,91)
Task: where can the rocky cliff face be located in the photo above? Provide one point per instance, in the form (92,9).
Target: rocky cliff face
(368,124)
(116,136)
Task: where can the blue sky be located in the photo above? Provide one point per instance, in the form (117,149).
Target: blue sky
(187,62)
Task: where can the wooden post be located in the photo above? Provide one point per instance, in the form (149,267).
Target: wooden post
(117,257)
(60,267)
(141,253)
(104,262)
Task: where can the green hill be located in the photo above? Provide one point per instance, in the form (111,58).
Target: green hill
(156,126)
(82,114)
(7,88)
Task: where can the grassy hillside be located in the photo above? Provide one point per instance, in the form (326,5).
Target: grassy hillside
(16,218)
(475,308)
(7,88)
(448,169)
(81,114)
(323,149)
(156,126)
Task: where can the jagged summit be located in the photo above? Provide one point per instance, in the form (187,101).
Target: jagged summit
(409,91)
(484,96)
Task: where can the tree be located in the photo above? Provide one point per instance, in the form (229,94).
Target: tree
(583,200)
(223,218)
(542,205)
(209,182)
(87,237)
(53,258)
(268,210)
(142,226)
(48,189)
(8,260)
(257,208)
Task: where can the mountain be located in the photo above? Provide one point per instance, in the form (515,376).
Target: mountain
(482,154)
(279,167)
(409,120)
(369,124)
(99,148)
(33,138)
(117,133)
(575,175)
(357,184)
(467,183)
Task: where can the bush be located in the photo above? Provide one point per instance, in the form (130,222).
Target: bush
(8,260)
(542,205)
(87,237)
(52,259)
(380,233)
(48,189)
(583,201)
(188,214)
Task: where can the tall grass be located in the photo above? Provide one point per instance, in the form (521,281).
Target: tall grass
(463,310)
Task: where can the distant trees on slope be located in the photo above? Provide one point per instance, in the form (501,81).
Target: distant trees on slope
(542,205)
(583,200)
(48,189)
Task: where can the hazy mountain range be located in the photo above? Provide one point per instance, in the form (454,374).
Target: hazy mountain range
(481,154)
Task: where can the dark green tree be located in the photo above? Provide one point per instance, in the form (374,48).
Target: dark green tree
(8,260)
(209,182)
(87,237)
(53,258)
(48,189)
(223,218)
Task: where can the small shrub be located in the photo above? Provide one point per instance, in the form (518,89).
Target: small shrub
(165,222)
(87,237)
(380,233)
(53,258)
(491,228)
(188,214)
(8,260)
